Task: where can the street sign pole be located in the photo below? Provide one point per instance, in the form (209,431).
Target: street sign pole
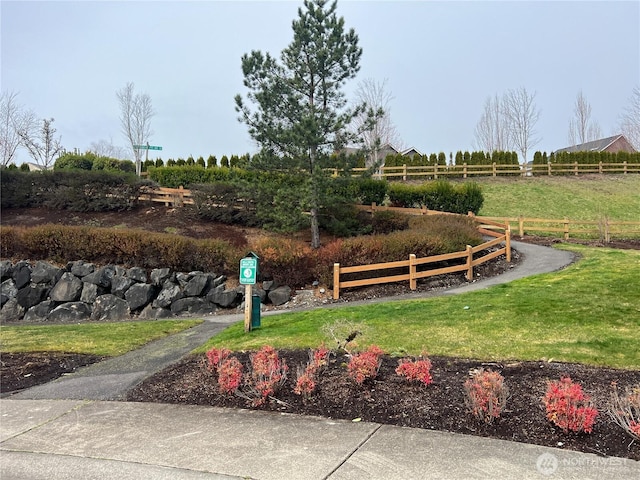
(248,274)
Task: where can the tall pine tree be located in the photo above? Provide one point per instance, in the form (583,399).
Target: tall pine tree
(300,115)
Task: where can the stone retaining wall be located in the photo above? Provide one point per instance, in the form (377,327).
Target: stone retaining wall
(42,292)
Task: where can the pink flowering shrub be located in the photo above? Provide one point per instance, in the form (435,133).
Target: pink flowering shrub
(486,394)
(365,365)
(216,356)
(229,375)
(307,377)
(568,407)
(268,374)
(624,409)
(415,371)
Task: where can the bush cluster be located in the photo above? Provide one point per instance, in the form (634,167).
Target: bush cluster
(438,195)
(585,158)
(91,161)
(486,394)
(568,407)
(80,191)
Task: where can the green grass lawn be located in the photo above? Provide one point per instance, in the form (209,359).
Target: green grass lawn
(588,313)
(577,198)
(105,339)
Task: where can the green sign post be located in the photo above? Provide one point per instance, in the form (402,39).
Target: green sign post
(248,270)
(146,147)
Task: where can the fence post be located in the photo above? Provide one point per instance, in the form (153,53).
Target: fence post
(566,228)
(404,172)
(575,168)
(464,170)
(607,236)
(469,263)
(507,240)
(373,208)
(435,171)
(494,169)
(549,168)
(521,226)
(412,272)
(336,281)
(625,167)
(600,166)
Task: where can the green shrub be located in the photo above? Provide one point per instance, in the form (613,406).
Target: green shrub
(439,195)
(387,221)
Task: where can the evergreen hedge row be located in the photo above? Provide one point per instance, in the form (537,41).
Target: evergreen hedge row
(438,195)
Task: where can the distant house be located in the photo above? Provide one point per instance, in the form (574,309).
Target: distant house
(614,144)
(410,152)
(387,149)
(34,167)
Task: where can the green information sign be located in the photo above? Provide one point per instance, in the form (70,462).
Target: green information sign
(147,147)
(248,271)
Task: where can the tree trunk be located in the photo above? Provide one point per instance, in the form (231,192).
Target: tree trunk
(315,229)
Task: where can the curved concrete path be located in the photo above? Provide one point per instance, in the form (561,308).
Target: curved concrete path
(66,429)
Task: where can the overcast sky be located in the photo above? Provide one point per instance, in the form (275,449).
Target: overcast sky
(441,60)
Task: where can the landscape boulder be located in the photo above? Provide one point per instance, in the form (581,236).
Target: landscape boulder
(101,277)
(198,283)
(170,293)
(32,295)
(40,312)
(160,275)
(139,295)
(120,285)
(44,272)
(150,312)
(137,274)
(67,289)
(21,274)
(280,295)
(70,312)
(81,269)
(110,307)
(11,310)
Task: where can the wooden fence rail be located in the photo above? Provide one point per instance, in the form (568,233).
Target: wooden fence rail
(405,172)
(466,258)
(175,197)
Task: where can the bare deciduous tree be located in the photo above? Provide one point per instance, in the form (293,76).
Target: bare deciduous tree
(630,119)
(135,118)
(492,130)
(374,125)
(14,119)
(41,143)
(522,116)
(581,128)
(104,148)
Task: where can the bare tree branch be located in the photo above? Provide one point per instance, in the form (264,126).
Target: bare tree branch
(581,128)
(42,144)
(630,119)
(522,114)
(14,118)
(136,111)
(492,132)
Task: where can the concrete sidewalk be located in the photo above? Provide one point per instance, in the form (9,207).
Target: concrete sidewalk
(67,439)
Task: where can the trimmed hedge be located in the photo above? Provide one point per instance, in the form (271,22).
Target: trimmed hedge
(439,195)
(80,191)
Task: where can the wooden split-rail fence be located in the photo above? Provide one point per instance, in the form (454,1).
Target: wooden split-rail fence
(416,268)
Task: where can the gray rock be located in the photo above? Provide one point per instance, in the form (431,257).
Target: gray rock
(170,293)
(139,295)
(218,281)
(40,312)
(101,277)
(8,288)
(137,274)
(150,312)
(11,310)
(67,289)
(120,285)
(280,295)
(197,285)
(44,272)
(21,274)
(224,297)
(193,305)
(110,307)
(269,285)
(3,299)
(32,295)
(70,312)
(159,276)
(6,269)
(91,291)
(81,269)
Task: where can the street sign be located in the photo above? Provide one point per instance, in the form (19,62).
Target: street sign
(248,270)
(147,147)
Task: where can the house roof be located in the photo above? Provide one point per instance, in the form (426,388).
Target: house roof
(410,150)
(594,146)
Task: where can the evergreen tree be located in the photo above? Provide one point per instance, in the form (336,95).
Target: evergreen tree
(212,161)
(301,115)
(224,161)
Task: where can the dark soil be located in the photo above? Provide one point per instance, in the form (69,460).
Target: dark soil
(388,399)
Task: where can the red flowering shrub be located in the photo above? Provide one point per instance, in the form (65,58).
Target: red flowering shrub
(268,374)
(486,394)
(624,409)
(415,371)
(307,377)
(365,365)
(230,375)
(568,407)
(216,356)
